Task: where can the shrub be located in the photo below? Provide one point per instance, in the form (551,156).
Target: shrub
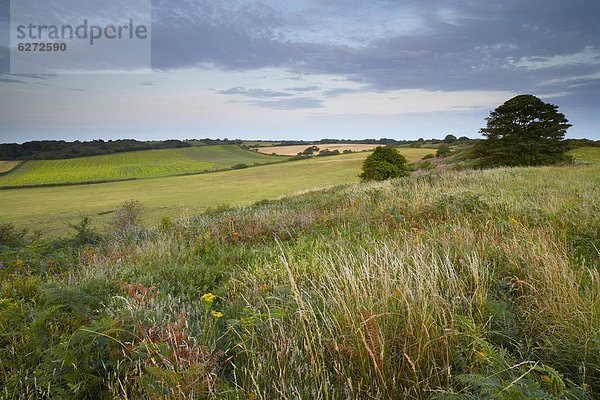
(426,166)
(428,156)
(240,166)
(327,152)
(126,220)
(384,163)
(11,236)
(84,233)
(443,151)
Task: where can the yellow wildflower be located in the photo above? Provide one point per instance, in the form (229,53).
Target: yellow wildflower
(216,314)
(208,297)
(513,221)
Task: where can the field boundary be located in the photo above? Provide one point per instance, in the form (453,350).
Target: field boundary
(20,163)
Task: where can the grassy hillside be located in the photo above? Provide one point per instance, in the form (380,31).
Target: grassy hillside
(462,285)
(587,154)
(54,207)
(138,164)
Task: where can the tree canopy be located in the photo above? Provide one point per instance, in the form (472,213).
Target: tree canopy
(524,131)
(384,163)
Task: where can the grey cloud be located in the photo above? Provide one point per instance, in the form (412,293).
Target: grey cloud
(303,89)
(10,80)
(476,49)
(253,92)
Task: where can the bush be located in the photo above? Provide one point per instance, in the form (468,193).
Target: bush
(428,156)
(426,166)
(11,236)
(384,163)
(126,223)
(443,151)
(240,166)
(327,152)
(84,233)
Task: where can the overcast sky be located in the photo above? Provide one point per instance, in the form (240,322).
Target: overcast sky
(307,69)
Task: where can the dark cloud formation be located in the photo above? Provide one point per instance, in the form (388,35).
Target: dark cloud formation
(538,45)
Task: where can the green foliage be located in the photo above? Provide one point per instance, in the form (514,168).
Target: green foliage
(11,236)
(240,166)
(126,220)
(450,139)
(84,233)
(56,149)
(428,156)
(425,166)
(384,163)
(327,152)
(443,151)
(524,131)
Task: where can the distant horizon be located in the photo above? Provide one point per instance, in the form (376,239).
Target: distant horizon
(262,139)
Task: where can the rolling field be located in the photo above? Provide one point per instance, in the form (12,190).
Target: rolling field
(587,154)
(6,166)
(53,207)
(135,164)
(479,284)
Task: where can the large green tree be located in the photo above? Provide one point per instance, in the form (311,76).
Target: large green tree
(524,131)
(384,163)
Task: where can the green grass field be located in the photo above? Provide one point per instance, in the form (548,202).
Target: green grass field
(53,207)
(135,164)
(587,154)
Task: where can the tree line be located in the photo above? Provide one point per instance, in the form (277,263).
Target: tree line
(58,149)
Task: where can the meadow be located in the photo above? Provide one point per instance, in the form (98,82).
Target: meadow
(130,165)
(50,209)
(453,285)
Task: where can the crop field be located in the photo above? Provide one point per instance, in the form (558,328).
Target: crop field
(6,166)
(54,207)
(135,164)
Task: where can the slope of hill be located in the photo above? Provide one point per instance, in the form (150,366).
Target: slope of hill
(459,285)
(54,207)
(137,164)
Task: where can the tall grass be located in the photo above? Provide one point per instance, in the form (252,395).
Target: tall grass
(461,285)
